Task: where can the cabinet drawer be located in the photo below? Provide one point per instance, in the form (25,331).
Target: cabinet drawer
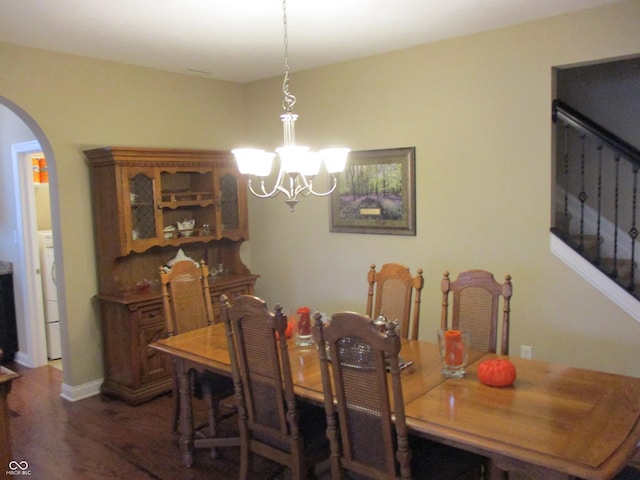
(231,293)
(150,315)
(234,292)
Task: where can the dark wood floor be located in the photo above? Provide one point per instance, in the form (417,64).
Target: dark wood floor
(102,438)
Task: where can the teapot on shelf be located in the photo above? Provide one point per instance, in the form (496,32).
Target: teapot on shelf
(185,227)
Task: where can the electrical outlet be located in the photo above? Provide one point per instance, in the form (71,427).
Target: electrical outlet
(526,351)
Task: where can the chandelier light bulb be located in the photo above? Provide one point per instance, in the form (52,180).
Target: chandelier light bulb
(253,161)
(335,159)
(292,158)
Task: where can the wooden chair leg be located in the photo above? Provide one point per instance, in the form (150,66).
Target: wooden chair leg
(297,469)
(246,459)
(176,398)
(186,415)
(212,408)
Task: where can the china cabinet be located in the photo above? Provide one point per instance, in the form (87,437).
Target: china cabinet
(148,203)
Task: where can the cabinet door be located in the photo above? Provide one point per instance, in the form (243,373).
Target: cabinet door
(151,328)
(187,205)
(141,215)
(232,204)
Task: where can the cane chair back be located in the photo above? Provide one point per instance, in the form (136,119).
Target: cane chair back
(271,423)
(476,304)
(394,287)
(186,298)
(361,432)
(187,306)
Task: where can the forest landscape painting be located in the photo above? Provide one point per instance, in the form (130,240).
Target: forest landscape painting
(376,193)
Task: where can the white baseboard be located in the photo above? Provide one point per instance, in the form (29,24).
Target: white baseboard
(595,277)
(23,359)
(73,394)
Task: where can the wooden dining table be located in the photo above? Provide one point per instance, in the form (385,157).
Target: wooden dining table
(554,422)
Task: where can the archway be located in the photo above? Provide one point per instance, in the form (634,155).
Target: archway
(32,346)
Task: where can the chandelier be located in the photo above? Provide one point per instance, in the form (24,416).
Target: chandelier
(298,164)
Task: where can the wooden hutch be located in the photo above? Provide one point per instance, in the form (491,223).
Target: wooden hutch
(139,195)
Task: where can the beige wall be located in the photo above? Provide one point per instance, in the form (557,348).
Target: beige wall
(477,110)
(80,104)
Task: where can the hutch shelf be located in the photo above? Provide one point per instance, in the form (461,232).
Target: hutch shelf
(148,203)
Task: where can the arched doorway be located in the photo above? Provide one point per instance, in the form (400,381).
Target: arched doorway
(19,136)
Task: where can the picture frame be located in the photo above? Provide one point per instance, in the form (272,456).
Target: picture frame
(376,193)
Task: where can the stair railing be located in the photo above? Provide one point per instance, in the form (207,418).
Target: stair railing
(597,189)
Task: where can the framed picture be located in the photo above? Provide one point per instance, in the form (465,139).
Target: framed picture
(376,193)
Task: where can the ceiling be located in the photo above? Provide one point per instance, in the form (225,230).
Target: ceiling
(242,40)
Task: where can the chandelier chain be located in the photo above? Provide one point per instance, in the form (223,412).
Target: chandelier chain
(289,99)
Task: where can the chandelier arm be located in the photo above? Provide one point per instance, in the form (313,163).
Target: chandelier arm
(265,194)
(293,186)
(276,188)
(328,192)
(290,193)
(302,190)
(302,186)
(281,174)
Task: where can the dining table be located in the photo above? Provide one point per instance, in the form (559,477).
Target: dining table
(553,422)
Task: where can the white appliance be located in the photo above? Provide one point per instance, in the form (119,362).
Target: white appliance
(50,294)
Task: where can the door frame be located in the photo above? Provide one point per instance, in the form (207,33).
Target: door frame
(35,353)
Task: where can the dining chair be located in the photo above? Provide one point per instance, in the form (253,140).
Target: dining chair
(394,286)
(476,300)
(366,424)
(187,306)
(272,423)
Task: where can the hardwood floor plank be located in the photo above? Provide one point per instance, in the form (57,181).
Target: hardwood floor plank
(103,438)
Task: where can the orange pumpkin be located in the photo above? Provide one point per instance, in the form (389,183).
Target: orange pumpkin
(497,373)
(289,331)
